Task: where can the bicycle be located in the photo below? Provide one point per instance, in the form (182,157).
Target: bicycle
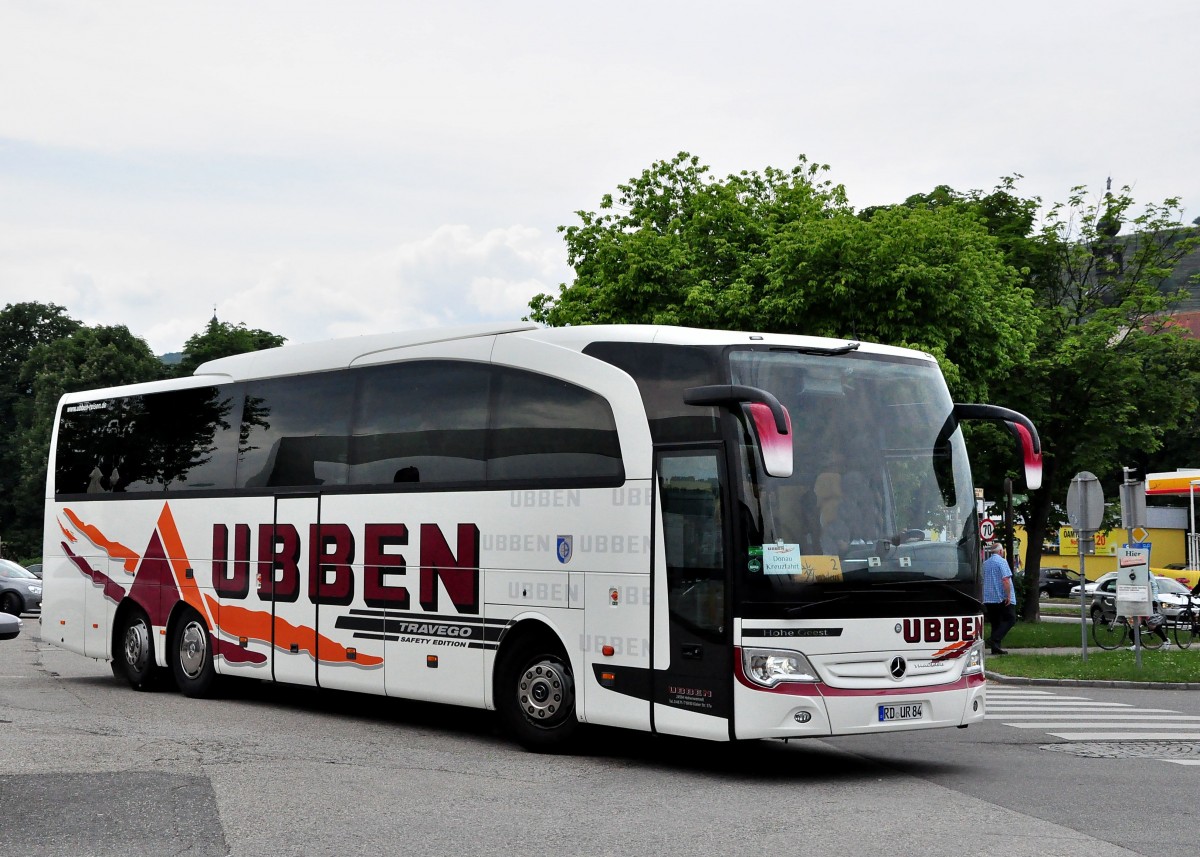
(1111,632)
(1187,626)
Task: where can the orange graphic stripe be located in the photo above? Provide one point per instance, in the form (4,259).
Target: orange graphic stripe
(954,650)
(173,545)
(113,549)
(257,625)
(67,534)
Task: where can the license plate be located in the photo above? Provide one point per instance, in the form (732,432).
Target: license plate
(903,711)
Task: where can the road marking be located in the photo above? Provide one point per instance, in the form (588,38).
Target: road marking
(1125,736)
(1182,761)
(1096,724)
(1082,709)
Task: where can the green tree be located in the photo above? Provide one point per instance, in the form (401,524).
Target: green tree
(88,358)
(23,327)
(1109,376)
(782,251)
(222,339)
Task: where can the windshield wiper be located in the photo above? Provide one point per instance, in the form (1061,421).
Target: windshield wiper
(799,608)
(942,584)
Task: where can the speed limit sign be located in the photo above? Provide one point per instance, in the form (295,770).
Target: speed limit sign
(987,529)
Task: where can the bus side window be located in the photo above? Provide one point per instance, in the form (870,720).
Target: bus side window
(695,548)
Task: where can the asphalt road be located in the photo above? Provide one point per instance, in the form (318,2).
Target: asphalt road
(90,767)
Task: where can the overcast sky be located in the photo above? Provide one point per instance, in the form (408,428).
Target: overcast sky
(330,169)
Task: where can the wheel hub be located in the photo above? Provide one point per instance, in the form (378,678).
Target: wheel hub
(545,692)
(137,645)
(193,647)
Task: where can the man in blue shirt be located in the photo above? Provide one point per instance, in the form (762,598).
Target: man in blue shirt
(999,597)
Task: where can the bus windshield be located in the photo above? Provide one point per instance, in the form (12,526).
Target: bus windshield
(879,508)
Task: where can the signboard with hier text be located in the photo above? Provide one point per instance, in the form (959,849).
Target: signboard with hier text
(1133,583)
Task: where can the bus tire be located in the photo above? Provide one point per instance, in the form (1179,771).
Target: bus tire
(535,695)
(133,651)
(191,655)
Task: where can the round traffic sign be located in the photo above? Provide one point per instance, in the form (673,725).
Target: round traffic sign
(987,529)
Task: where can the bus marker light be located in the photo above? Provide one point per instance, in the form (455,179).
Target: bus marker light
(608,679)
(431,661)
(608,651)
(243,642)
(351,654)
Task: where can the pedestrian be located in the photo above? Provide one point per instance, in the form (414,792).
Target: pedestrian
(999,597)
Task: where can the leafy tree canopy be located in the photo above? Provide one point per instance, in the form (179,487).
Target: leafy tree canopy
(782,251)
(222,339)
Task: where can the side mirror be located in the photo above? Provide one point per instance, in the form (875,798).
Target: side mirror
(770,420)
(1021,426)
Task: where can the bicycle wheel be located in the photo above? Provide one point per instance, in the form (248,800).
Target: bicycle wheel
(1108,633)
(1185,628)
(1150,640)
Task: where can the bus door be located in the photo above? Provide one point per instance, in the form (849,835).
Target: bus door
(693,685)
(294,615)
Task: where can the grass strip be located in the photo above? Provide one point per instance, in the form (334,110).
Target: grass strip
(1171,665)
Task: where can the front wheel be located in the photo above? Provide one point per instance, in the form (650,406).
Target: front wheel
(535,695)
(1108,633)
(1185,629)
(191,655)
(10,603)
(133,655)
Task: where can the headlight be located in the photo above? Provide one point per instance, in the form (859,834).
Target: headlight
(769,667)
(974,659)
(35,590)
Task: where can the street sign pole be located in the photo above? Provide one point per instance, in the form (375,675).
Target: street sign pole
(1085,512)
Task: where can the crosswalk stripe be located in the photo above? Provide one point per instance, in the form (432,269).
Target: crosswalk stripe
(1125,736)
(1095,724)
(1047,709)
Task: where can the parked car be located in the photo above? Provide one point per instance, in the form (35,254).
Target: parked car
(1172,597)
(10,626)
(1090,586)
(1057,582)
(20,590)
(35,570)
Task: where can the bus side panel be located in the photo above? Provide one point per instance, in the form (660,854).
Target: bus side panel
(63,604)
(618,620)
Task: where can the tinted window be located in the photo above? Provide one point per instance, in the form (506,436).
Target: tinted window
(295,431)
(662,373)
(176,441)
(421,422)
(546,429)
(182,440)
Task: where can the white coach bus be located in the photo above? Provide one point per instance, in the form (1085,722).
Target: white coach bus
(710,534)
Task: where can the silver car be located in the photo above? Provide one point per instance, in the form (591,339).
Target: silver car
(10,626)
(20,589)
(1172,597)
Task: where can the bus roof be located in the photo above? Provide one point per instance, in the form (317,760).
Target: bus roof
(341,353)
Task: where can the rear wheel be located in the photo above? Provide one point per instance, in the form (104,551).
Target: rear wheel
(1185,628)
(1108,633)
(10,602)
(535,695)
(133,655)
(191,655)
